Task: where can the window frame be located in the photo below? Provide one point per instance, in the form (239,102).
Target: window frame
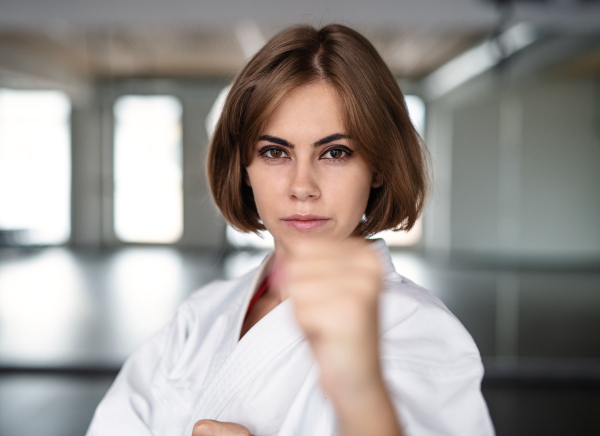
(196,98)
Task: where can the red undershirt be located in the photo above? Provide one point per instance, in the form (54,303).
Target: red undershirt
(261,291)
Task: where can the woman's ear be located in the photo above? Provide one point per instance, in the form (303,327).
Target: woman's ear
(247,178)
(377,180)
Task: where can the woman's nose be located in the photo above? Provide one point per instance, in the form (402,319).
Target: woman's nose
(303,184)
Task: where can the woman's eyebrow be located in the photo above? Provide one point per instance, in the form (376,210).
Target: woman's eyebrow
(276,140)
(320,142)
(330,138)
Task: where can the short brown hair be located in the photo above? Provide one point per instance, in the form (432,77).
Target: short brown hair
(375,116)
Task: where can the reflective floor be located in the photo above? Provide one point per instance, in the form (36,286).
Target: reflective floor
(68,319)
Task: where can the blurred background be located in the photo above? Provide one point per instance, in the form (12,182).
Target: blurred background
(106,224)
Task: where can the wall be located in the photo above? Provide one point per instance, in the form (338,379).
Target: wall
(524,169)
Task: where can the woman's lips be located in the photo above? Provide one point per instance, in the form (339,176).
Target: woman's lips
(305,223)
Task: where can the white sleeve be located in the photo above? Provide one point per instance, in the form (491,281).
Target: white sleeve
(131,405)
(433,371)
(439,402)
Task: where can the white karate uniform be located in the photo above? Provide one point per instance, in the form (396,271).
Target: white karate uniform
(197,368)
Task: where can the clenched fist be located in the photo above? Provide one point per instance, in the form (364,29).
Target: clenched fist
(335,289)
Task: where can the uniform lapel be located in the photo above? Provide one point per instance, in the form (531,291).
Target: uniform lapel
(238,361)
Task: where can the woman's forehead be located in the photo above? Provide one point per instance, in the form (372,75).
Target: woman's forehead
(314,107)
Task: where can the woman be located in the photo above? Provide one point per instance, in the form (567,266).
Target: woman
(314,145)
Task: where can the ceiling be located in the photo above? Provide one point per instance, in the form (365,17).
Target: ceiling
(187,38)
(151,51)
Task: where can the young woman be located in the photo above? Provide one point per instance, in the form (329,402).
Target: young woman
(314,145)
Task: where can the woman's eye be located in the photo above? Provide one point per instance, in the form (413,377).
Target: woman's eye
(273,153)
(335,153)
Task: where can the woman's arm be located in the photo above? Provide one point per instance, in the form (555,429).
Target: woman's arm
(335,290)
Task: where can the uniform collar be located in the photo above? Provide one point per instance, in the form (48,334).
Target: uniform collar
(383,251)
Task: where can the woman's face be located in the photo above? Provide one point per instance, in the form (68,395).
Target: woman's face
(307,178)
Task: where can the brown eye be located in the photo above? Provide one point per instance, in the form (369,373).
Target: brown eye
(336,153)
(273,153)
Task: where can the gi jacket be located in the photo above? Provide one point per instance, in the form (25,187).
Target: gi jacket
(198,368)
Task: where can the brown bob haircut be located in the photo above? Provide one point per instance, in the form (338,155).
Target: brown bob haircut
(375,117)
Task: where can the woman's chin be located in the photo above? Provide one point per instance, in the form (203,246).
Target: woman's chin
(285,242)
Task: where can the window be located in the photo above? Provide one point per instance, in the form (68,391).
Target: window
(403,239)
(148,197)
(35,167)
(263,241)
(416,111)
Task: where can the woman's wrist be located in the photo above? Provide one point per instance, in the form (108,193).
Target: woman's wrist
(370,412)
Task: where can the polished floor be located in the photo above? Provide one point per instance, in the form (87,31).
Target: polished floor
(69,317)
